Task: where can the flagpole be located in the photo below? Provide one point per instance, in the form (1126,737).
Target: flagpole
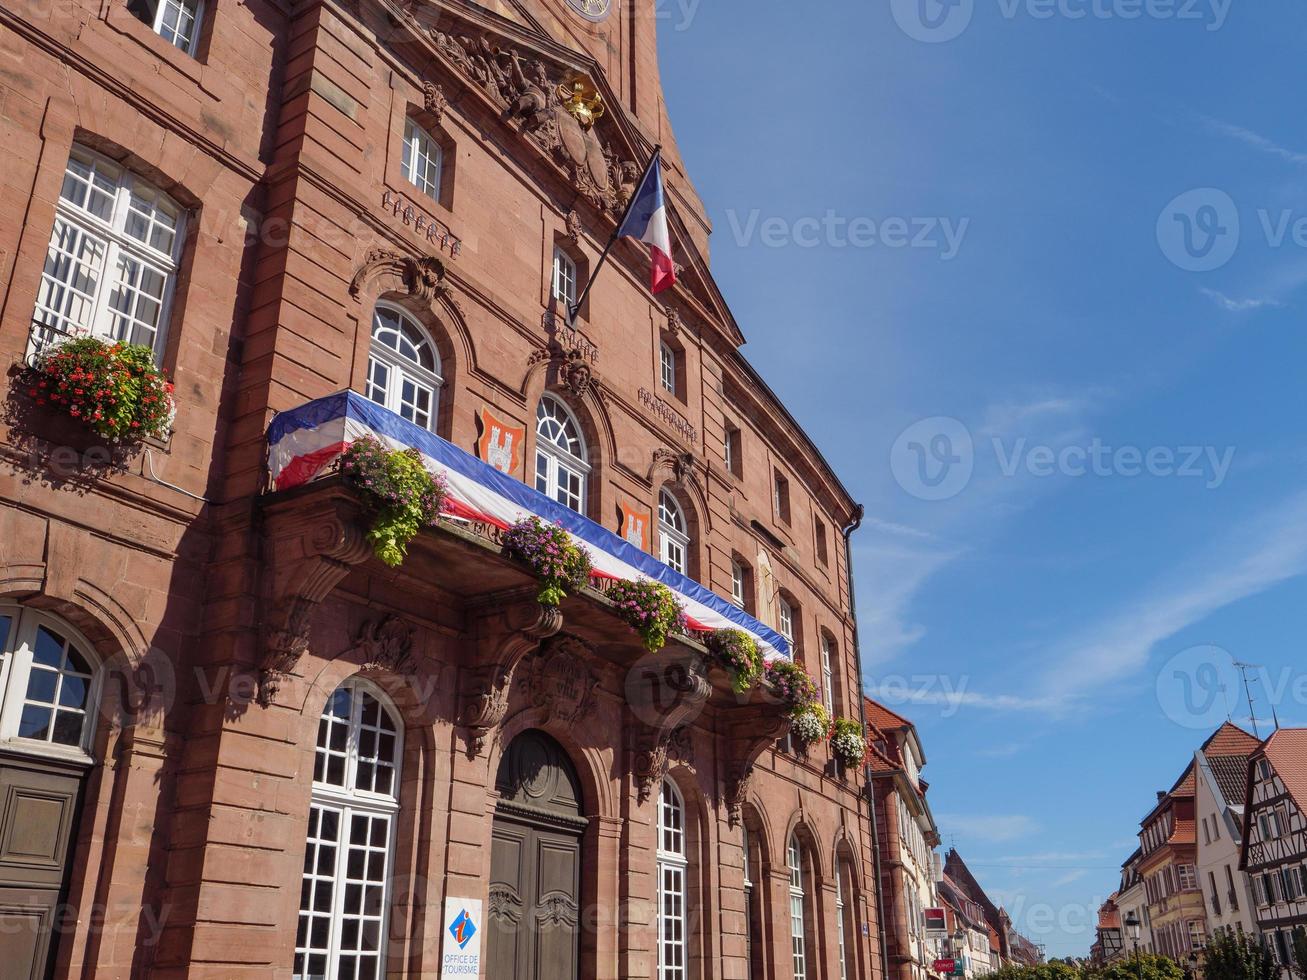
(573,310)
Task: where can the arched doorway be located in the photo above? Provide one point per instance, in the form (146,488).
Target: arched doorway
(535,864)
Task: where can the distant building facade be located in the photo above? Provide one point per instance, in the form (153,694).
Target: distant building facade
(1274,845)
(1221,776)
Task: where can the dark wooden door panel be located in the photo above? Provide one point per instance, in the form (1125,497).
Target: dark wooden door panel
(26,923)
(508,901)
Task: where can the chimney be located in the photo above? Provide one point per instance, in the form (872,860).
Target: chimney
(1161,795)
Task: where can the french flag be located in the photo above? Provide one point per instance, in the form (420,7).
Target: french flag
(646,221)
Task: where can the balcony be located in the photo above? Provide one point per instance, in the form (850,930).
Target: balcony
(313,526)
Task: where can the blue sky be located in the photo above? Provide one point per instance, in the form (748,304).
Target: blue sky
(1109,412)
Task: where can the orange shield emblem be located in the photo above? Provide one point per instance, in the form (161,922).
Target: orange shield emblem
(500,444)
(635,525)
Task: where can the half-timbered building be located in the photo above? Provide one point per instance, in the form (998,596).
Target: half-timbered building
(1274,852)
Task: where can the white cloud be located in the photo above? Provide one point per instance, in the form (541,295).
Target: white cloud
(1249,138)
(1069,877)
(992,828)
(1254,557)
(1233,305)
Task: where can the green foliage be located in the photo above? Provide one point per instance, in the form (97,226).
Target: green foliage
(1149,966)
(562,565)
(1238,956)
(792,684)
(737,652)
(114,389)
(400,495)
(1300,951)
(650,608)
(848,742)
(1042,971)
(811,723)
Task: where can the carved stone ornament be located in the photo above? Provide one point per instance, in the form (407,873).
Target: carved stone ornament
(559,682)
(543,101)
(574,229)
(312,549)
(673,321)
(424,277)
(385,644)
(571,368)
(663,700)
(434,101)
(753,730)
(576,374)
(682,465)
(504,636)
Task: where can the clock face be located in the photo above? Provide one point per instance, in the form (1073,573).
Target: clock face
(595,10)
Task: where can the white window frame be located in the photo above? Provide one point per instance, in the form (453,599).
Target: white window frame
(839,921)
(16,666)
(785,618)
(667,367)
(737,583)
(565,278)
(827,675)
(798,932)
(748,902)
(110,235)
(728,451)
(195,8)
(422,161)
(554,464)
(401,369)
(673,533)
(1186,878)
(673,878)
(348,802)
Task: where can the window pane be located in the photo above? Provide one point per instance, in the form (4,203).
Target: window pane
(35,722)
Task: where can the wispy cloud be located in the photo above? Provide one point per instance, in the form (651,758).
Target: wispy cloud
(1254,557)
(1069,877)
(990,828)
(1256,141)
(956,696)
(1233,305)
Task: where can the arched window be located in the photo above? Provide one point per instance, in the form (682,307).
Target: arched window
(47,681)
(798,936)
(403,367)
(672,866)
(344,896)
(561,468)
(673,533)
(839,922)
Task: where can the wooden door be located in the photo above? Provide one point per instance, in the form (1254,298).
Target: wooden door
(535,874)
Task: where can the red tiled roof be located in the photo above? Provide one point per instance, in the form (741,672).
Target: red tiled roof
(1287,752)
(1185,831)
(883,717)
(1230,739)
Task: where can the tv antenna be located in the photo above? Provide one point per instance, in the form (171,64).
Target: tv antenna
(1248,693)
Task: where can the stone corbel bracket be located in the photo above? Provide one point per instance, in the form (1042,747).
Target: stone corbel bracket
(753,729)
(503,636)
(663,695)
(310,544)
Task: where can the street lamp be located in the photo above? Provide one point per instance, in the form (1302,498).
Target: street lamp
(1132,926)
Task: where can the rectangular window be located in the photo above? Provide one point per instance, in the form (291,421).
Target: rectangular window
(1233,892)
(111,265)
(737,584)
(564,285)
(821,542)
(785,616)
(667,368)
(1207,836)
(1188,881)
(422,160)
(827,677)
(1216,828)
(732,451)
(176,21)
(781,498)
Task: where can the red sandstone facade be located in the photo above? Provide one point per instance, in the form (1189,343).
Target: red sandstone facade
(170,841)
